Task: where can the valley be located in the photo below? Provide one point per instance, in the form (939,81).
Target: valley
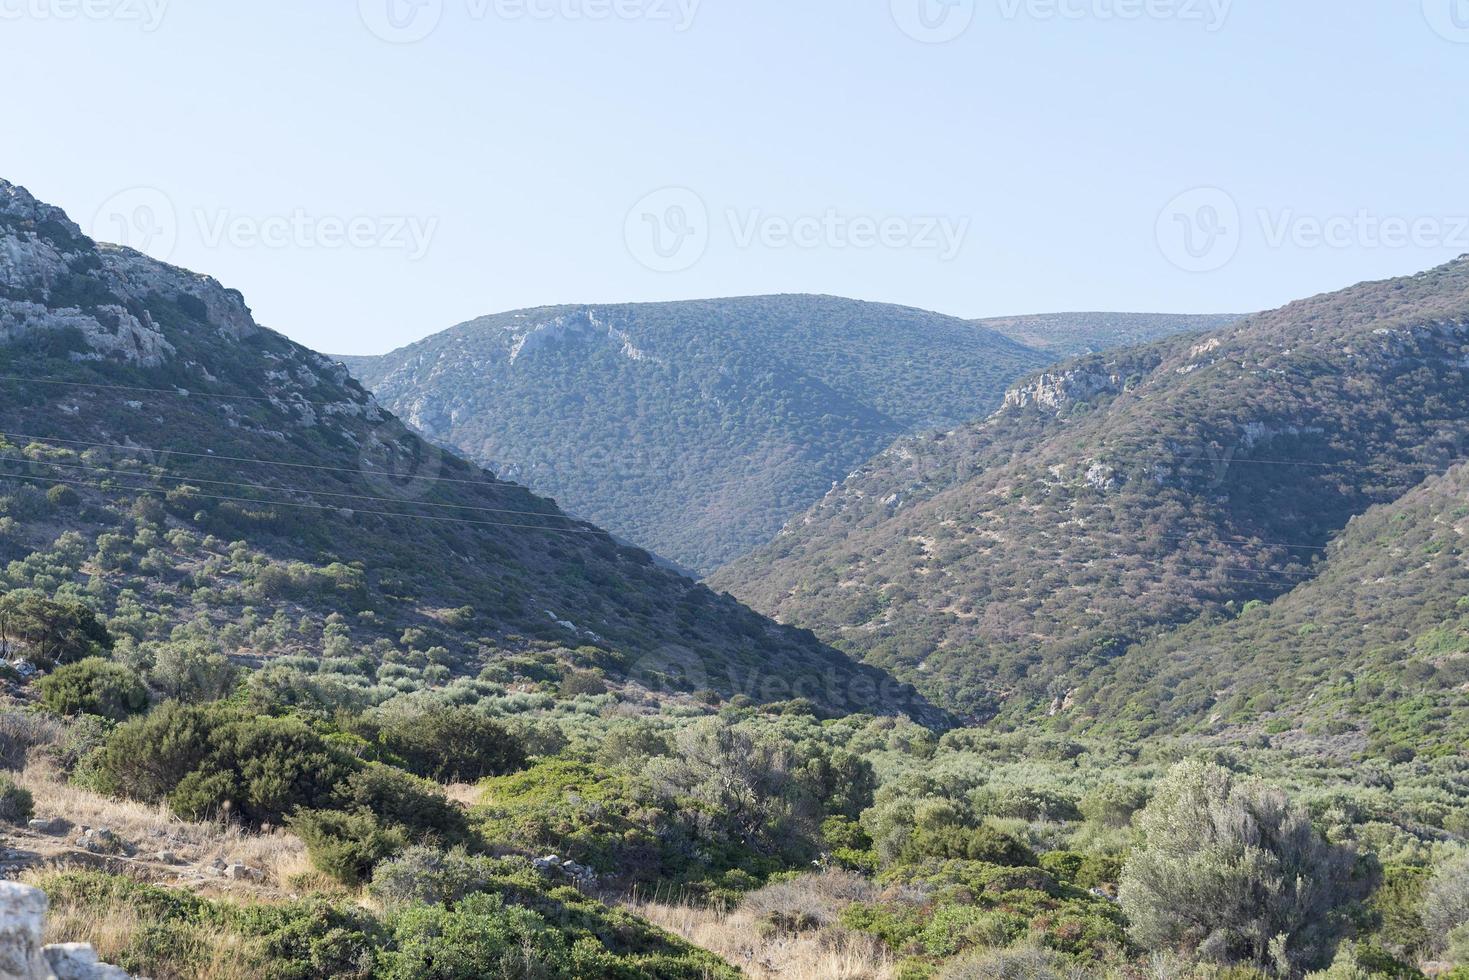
(1068,656)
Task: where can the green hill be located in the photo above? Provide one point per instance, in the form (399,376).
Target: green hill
(1121,495)
(202,482)
(694,429)
(1371,654)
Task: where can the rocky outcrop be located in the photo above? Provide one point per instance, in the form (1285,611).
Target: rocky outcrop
(136,276)
(53,278)
(110,332)
(22,955)
(582,324)
(1057,391)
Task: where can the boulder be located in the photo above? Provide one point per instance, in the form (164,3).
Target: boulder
(78,961)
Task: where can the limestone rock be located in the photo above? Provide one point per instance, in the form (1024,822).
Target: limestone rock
(1058,391)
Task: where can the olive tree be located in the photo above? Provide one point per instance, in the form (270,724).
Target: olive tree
(1229,870)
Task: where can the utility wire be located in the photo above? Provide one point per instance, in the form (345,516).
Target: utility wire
(319,507)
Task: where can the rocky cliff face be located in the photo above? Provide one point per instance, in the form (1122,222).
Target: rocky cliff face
(55,280)
(22,953)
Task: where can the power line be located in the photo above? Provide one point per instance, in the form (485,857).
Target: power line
(269,487)
(318,507)
(489,482)
(179,392)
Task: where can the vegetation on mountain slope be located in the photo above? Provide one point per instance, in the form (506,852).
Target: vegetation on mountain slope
(217,493)
(1372,652)
(1001,564)
(1074,334)
(693,429)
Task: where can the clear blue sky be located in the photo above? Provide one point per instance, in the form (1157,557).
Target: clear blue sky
(1046,140)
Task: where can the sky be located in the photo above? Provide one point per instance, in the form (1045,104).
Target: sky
(369,172)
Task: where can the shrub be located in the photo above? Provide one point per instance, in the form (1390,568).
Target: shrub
(746,789)
(94,687)
(983,843)
(22,731)
(479,937)
(62,495)
(213,759)
(1446,902)
(1113,804)
(811,901)
(50,631)
(1026,803)
(398,799)
(428,876)
(346,846)
(16,805)
(1024,963)
(192,670)
(452,744)
(1230,869)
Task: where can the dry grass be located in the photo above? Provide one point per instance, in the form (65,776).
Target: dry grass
(821,950)
(152,829)
(465,794)
(113,929)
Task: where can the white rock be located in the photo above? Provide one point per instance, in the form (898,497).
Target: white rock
(22,923)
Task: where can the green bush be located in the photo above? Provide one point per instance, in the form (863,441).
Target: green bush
(452,744)
(49,631)
(983,843)
(346,846)
(398,799)
(93,687)
(62,495)
(16,805)
(1231,869)
(213,760)
(1446,903)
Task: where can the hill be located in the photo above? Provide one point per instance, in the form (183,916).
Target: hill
(693,429)
(1075,334)
(1372,654)
(207,487)
(1121,495)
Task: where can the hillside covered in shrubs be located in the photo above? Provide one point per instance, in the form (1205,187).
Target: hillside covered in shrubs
(222,496)
(1004,565)
(695,429)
